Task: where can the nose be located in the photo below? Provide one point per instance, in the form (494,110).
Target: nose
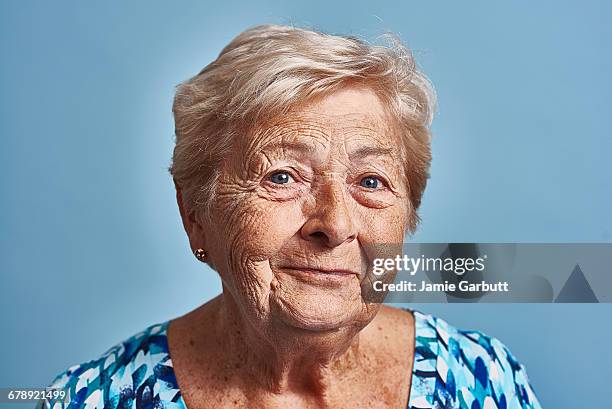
(332,223)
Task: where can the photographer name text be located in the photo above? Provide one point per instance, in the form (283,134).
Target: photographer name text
(424,286)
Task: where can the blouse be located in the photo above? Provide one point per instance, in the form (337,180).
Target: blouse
(452,368)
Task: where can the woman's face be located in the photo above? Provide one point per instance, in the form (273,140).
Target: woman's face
(298,205)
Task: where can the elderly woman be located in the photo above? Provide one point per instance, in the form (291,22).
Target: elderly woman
(296,151)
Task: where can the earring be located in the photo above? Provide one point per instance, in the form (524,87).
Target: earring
(200,254)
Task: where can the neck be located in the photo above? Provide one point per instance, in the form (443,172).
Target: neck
(280,358)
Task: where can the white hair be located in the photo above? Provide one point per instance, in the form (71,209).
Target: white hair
(268,70)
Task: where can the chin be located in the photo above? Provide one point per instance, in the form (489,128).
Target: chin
(317,315)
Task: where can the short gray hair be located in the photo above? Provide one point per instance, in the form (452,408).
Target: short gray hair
(266,71)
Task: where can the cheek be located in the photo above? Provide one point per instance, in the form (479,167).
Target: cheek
(253,231)
(383,226)
(267,226)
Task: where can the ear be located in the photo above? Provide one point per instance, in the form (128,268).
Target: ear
(192,226)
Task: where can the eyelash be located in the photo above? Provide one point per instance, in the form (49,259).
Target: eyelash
(384,182)
(292,174)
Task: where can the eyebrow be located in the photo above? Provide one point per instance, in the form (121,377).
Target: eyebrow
(296,146)
(359,153)
(367,151)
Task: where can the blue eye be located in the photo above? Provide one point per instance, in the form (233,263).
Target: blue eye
(280,178)
(370,182)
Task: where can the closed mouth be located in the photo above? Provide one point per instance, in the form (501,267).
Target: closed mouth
(322,271)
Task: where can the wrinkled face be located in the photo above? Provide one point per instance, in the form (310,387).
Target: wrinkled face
(298,204)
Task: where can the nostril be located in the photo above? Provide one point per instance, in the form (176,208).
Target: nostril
(319,235)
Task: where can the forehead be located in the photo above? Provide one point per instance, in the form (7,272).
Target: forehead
(349,102)
(348,118)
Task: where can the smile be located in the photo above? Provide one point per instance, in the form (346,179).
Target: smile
(319,274)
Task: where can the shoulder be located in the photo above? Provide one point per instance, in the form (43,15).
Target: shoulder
(137,371)
(388,331)
(467,368)
(394,318)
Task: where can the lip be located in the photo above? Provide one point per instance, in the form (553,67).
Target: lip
(324,277)
(322,271)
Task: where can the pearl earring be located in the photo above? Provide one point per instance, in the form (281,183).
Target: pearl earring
(200,254)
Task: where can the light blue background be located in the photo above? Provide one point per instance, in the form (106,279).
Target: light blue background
(92,249)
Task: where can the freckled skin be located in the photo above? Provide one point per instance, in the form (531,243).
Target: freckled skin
(299,205)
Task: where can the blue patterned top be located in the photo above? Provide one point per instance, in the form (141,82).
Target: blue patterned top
(452,369)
